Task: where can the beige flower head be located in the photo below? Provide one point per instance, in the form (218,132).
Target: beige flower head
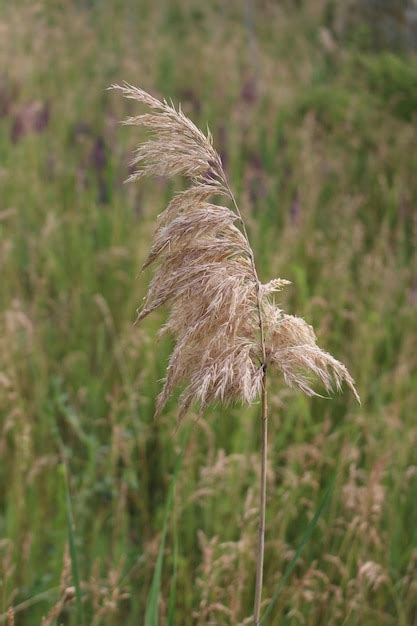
(226,327)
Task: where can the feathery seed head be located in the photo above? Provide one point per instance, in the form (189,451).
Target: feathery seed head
(225,325)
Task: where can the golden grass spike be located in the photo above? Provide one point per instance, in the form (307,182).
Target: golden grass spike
(203,260)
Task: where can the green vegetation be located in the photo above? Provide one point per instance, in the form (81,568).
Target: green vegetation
(319,144)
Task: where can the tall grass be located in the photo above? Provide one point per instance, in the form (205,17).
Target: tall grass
(322,157)
(228,330)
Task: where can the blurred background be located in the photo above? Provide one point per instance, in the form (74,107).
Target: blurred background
(312,105)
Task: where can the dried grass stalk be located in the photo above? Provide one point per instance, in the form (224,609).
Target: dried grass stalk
(226,326)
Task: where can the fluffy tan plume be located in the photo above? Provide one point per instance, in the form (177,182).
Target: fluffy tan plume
(225,325)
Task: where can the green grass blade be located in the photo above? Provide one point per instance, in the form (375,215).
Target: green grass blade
(304,540)
(73,548)
(173,590)
(151,615)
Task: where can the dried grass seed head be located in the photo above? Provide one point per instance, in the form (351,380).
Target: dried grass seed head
(207,277)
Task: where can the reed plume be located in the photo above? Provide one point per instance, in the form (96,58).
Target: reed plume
(227,329)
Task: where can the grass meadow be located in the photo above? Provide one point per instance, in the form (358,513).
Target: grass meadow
(107,516)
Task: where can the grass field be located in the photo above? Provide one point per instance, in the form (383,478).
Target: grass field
(318,138)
